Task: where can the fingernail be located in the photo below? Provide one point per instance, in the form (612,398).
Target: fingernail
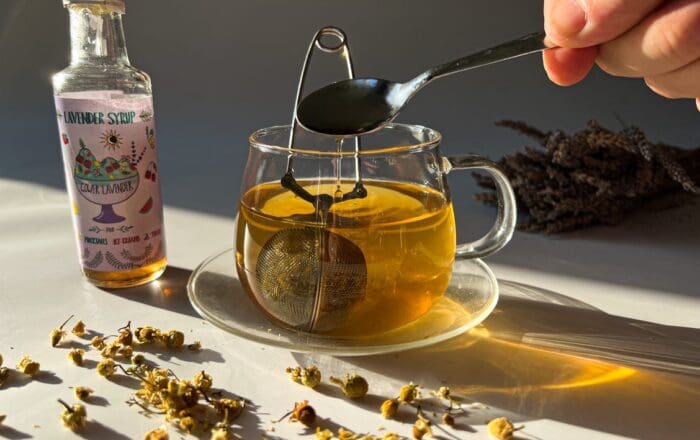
(569,17)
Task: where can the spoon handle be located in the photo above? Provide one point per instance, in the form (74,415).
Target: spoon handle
(522,46)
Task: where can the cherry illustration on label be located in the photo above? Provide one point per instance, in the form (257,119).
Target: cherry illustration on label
(65,138)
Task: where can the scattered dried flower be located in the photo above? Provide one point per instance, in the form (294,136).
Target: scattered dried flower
(147,335)
(303,413)
(126,351)
(79,329)
(98,342)
(448,420)
(354,386)
(391,436)
(344,434)
(203,381)
(157,434)
(138,359)
(57,334)
(232,407)
(221,432)
(188,424)
(421,428)
(110,350)
(125,336)
(106,367)
(174,339)
(73,417)
(310,376)
(325,434)
(444,392)
(82,393)
(389,408)
(0,360)
(195,346)
(408,393)
(501,428)
(75,355)
(27,366)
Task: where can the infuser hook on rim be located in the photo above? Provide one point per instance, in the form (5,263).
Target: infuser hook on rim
(323,202)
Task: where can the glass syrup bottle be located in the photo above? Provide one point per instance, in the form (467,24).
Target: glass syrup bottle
(105,118)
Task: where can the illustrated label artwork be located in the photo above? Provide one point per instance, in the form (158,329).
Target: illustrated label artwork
(110,158)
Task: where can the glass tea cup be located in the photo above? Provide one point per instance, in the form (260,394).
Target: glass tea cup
(330,241)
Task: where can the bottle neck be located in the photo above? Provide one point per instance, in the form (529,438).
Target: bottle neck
(97,36)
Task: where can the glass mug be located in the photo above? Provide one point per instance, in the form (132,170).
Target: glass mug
(352,245)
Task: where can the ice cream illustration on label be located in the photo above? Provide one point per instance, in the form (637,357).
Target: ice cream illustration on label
(105,182)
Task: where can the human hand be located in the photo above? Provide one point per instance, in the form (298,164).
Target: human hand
(656,40)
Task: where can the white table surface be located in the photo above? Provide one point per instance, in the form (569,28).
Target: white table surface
(566,358)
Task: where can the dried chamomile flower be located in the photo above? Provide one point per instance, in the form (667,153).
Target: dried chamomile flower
(147,335)
(303,413)
(125,351)
(203,381)
(310,376)
(57,334)
(4,375)
(389,408)
(221,431)
(75,355)
(138,359)
(124,335)
(73,417)
(79,329)
(98,342)
(106,367)
(344,434)
(421,428)
(157,434)
(188,424)
(111,350)
(444,392)
(501,428)
(82,393)
(408,393)
(325,434)
(174,339)
(195,346)
(27,366)
(228,406)
(391,436)
(354,386)
(448,420)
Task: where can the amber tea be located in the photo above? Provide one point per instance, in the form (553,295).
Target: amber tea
(387,257)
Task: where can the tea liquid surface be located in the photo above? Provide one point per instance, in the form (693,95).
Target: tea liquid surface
(406,233)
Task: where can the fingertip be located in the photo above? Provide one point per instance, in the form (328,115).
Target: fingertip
(564,20)
(697,103)
(566,67)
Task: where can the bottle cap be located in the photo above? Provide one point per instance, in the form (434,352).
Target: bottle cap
(117,5)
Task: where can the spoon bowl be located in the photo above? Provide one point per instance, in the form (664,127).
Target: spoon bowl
(360,106)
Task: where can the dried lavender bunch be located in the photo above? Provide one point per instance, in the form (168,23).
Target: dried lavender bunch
(594,176)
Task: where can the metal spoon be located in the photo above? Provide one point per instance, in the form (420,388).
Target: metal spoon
(358,106)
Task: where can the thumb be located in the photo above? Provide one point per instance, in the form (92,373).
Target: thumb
(586,23)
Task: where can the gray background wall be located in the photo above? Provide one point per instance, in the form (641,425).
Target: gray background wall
(222,68)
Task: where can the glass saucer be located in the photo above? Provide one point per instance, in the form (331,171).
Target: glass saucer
(218,296)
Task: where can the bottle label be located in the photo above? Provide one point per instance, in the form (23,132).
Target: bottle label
(110,158)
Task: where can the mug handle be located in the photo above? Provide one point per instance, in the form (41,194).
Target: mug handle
(502,230)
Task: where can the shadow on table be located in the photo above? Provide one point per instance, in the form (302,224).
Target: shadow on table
(544,355)
(169,292)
